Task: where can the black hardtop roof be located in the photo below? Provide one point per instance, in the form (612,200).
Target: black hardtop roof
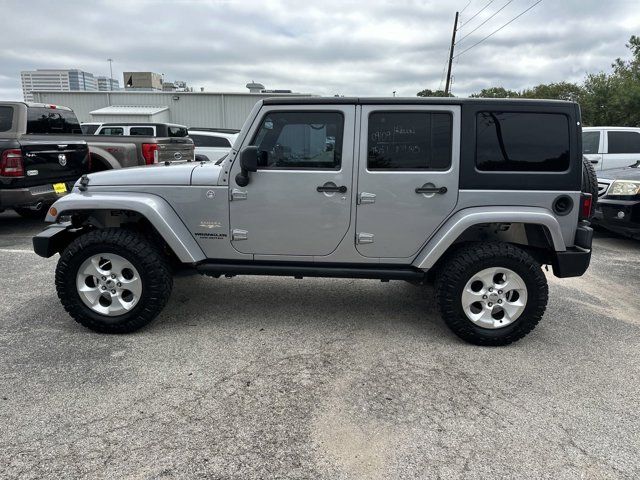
(408,101)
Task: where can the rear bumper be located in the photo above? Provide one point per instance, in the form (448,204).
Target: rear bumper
(622,216)
(27,197)
(574,261)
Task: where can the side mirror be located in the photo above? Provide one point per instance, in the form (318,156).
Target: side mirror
(248,163)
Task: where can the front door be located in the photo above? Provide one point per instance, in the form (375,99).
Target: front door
(407,176)
(298,203)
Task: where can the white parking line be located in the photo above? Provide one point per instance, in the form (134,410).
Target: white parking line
(15,250)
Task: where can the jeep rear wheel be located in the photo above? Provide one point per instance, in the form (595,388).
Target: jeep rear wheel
(113,280)
(491,294)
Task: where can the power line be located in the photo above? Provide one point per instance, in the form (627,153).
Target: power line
(497,12)
(476,14)
(496,31)
(465,7)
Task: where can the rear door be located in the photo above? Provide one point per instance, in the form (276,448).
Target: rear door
(407,176)
(623,149)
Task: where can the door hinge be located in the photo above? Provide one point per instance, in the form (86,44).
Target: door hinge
(362,238)
(237,194)
(365,197)
(238,234)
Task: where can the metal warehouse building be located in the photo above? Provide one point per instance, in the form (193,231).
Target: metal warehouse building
(201,109)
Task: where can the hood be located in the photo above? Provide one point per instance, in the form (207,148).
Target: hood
(150,175)
(626,173)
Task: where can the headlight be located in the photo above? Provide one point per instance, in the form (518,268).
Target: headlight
(624,187)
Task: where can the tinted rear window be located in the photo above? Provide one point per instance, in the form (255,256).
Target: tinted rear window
(522,142)
(624,142)
(41,120)
(177,131)
(6,118)
(147,131)
(210,141)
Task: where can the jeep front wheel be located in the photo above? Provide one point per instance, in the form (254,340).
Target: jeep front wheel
(113,280)
(491,294)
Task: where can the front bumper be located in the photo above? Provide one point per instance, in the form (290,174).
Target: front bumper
(31,196)
(621,216)
(53,239)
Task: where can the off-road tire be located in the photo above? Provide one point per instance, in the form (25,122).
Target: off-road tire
(152,266)
(466,262)
(590,182)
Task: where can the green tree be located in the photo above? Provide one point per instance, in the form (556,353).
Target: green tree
(496,92)
(433,93)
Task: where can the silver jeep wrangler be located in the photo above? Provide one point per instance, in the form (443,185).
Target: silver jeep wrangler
(476,195)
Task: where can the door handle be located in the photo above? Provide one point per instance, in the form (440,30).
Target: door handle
(440,190)
(331,189)
(595,161)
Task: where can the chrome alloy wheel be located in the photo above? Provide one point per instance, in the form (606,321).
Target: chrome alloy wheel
(494,297)
(108,284)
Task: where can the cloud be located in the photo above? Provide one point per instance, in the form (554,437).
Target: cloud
(329,47)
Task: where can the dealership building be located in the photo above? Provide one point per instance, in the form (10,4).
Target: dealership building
(193,109)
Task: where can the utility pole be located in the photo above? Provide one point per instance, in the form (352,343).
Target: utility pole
(453,45)
(110,60)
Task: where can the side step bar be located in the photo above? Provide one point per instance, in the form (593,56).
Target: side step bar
(310,270)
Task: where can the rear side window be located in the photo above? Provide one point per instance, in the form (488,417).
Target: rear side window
(522,142)
(177,131)
(210,141)
(409,141)
(111,131)
(624,142)
(300,140)
(146,131)
(42,120)
(89,129)
(590,142)
(6,118)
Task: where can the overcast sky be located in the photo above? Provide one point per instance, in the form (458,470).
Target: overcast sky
(325,47)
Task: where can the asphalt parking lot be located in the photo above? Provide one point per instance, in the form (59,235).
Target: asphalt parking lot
(256,377)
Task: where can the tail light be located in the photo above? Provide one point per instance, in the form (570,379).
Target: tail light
(586,203)
(150,153)
(11,163)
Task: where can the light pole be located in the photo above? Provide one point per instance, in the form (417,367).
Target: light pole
(110,60)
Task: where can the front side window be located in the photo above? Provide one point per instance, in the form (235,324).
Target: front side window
(409,141)
(210,141)
(624,142)
(590,142)
(522,142)
(111,131)
(6,118)
(144,131)
(300,140)
(43,120)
